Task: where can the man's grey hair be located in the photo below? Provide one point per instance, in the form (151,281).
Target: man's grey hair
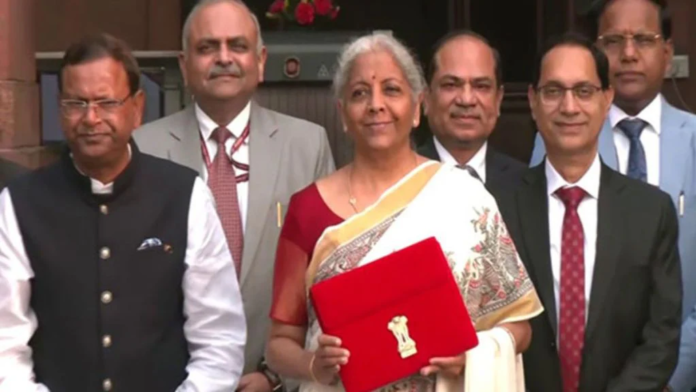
(186,31)
(378,42)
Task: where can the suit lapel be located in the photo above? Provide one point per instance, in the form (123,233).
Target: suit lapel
(675,148)
(495,167)
(186,149)
(607,148)
(496,181)
(608,247)
(428,149)
(532,205)
(264,162)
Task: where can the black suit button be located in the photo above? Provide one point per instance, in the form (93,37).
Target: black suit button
(553,344)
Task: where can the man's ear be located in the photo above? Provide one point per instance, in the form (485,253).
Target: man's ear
(609,98)
(499,98)
(263,56)
(531,97)
(139,102)
(182,67)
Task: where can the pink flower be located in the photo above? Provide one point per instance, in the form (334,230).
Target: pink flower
(277,7)
(304,13)
(323,7)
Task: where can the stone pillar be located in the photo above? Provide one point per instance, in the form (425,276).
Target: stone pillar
(20,130)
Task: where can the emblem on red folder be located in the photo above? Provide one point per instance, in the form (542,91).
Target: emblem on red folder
(399,327)
(417,314)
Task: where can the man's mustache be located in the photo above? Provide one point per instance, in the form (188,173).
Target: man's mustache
(225,70)
(462,112)
(91,131)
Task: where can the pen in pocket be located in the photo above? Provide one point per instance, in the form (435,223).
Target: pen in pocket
(279,210)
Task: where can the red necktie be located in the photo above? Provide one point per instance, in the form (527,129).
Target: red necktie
(571,329)
(223,184)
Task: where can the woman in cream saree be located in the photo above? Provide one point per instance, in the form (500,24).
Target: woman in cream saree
(448,203)
(379,84)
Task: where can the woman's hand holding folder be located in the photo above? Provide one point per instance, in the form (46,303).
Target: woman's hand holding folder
(328,359)
(450,366)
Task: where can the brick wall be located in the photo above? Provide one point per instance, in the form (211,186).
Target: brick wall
(20,133)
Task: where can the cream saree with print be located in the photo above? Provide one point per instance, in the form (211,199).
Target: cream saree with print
(449,204)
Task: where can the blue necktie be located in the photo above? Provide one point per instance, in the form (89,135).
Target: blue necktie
(637,167)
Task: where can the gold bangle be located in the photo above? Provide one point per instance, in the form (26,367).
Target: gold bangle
(311,369)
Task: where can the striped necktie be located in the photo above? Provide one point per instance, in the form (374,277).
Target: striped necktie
(637,167)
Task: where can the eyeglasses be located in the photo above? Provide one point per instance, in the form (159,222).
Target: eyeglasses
(616,42)
(553,94)
(79,107)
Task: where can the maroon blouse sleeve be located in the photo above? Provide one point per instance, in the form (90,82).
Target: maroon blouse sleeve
(305,221)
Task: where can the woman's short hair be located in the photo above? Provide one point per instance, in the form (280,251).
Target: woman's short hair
(378,42)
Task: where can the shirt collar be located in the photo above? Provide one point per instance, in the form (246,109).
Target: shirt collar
(236,127)
(98,187)
(589,182)
(477,162)
(651,114)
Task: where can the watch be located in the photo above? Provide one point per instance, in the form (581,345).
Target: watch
(273,377)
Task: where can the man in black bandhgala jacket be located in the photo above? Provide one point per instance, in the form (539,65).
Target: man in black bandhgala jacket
(114,270)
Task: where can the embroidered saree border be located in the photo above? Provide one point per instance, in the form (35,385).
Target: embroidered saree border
(392,202)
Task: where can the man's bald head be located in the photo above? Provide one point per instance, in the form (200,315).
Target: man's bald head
(457,35)
(186,31)
(223,58)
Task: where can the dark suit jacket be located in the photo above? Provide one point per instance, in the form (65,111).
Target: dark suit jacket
(633,328)
(503,173)
(8,171)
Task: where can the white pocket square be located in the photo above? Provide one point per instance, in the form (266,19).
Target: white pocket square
(150,243)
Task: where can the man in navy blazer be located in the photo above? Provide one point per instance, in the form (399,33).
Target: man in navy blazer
(646,138)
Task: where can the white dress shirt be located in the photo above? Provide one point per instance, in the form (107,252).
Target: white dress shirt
(477,162)
(236,127)
(215,326)
(587,211)
(650,138)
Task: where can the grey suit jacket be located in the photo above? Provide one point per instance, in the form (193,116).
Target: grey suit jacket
(677,177)
(286,154)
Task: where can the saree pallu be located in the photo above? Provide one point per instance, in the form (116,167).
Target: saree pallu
(448,203)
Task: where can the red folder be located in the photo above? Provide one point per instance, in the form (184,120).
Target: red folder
(394,315)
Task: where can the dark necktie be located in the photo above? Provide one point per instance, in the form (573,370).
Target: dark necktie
(571,328)
(471,171)
(637,168)
(223,184)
